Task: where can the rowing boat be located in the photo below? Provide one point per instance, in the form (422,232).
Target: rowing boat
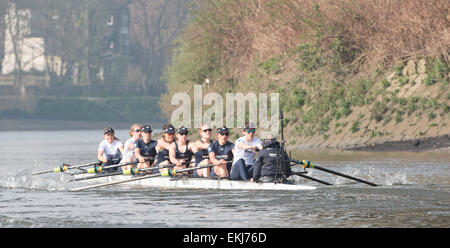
(198,183)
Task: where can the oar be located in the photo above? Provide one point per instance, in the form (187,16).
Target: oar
(310,178)
(310,165)
(64,167)
(99,169)
(172,172)
(132,171)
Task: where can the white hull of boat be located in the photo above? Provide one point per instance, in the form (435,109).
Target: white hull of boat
(197,183)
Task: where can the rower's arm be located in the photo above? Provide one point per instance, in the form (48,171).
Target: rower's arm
(172,153)
(100,155)
(130,145)
(162,145)
(212,157)
(257,167)
(137,154)
(243,146)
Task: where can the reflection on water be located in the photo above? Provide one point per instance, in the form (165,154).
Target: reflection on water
(414,191)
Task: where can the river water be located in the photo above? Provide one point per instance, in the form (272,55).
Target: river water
(414,191)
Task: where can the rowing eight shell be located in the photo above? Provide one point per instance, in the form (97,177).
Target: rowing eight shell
(199,183)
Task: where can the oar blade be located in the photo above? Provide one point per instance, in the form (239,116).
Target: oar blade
(344,175)
(311,178)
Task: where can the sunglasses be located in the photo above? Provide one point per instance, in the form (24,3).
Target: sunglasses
(250,130)
(183,133)
(207,130)
(138,130)
(224,134)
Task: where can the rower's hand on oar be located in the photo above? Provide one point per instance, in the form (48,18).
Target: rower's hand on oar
(105,161)
(217,163)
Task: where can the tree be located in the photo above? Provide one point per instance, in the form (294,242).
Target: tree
(154,25)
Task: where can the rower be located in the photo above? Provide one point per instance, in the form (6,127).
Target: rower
(200,149)
(245,150)
(128,151)
(181,151)
(221,153)
(163,147)
(144,148)
(110,149)
(272,163)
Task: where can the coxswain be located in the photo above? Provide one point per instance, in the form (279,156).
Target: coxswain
(200,149)
(181,151)
(221,153)
(272,163)
(245,150)
(128,151)
(110,149)
(163,146)
(144,148)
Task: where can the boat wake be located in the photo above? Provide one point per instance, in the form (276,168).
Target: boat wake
(24,180)
(381,177)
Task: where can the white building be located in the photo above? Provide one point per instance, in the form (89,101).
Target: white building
(30,49)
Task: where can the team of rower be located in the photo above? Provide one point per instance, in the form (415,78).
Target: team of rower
(233,161)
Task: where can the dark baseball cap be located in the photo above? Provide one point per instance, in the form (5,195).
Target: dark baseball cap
(146,129)
(249,125)
(169,130)
(222,130)
(182,130)
(108,130)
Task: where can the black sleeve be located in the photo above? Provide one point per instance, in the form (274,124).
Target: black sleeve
(257,166)
(287,164)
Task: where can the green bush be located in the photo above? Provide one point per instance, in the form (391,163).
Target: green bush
(403,80)
(355,127)
(398,116)
(398,69)
(412,104)
(446,108)
(271,66)
(309,58)
(431,115)
(377,111)
(429,80)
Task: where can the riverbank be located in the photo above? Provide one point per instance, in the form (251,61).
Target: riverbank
(433,144)
(438,143)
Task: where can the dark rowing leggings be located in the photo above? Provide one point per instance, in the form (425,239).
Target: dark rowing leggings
(241,171)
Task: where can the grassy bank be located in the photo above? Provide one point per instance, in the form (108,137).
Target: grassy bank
(350,73)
